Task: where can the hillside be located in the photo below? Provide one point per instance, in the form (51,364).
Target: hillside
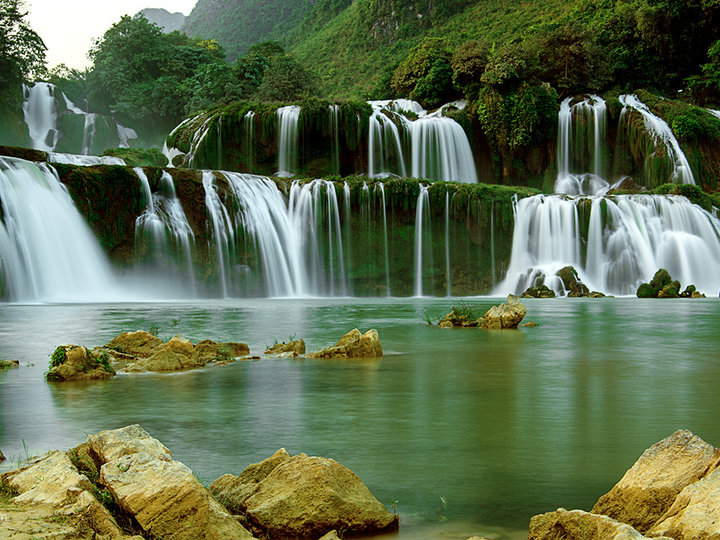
(239,24)
(169,22)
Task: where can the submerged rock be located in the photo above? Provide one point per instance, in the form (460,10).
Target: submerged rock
(76,363)
(141,344)
(353,345)
(300,496)
(508,315)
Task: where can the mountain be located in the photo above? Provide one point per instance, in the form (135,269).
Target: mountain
(239,24)
(169,22)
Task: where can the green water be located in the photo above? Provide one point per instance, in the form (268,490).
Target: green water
(500,425)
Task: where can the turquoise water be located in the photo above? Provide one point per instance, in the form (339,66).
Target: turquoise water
(470,431)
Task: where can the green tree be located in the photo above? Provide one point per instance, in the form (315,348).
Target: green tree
(285,80)
(706,86)
(22,52)
(426,73)
(468,64)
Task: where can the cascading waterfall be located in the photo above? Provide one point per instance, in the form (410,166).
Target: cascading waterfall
(249,131)
(422,218)
(84,161)
(40,113)
(661,134)
(163,237)
(335,136)
(222,231)
(447,241)
(47,251)
(381,187)
(715,113)
(441,151)
(288,140)
(385,154)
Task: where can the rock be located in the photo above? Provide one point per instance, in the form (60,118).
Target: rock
(166,499)
(164,359)
(529,325)
(210,351)
(5,364)
(695,512)
(540,291)
(687,293)
(303,496)
(2,456)
(133,368)
(75,363)
(697,294)
(332,535)
(645,290)
(180,345)
(114,444)
(53,480)
(649,488)
(669,291)
(597,294)
(461,316)
(579,525)
(660,279)
(140,343)
(508,315)
(353,345)
(296,346)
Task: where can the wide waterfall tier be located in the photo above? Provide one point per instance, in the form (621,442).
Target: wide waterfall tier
(56,124)
(47,251)
(379,139)
(664,160)
(614,243)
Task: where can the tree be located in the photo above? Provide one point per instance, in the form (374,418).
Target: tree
(22,52)
(426,74)
(285,80)
(468,64)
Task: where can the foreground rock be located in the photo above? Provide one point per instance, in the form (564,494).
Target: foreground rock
(151,494)
(508,315)
(672,491)
(5,364)
(299,496)
(650,487)
(75,363)
(353,345)
(577,525)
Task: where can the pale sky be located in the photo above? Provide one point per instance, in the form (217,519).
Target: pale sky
(68,27)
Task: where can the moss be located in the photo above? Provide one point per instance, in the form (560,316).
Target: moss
(139,157)
(693,193)
(23,153)
(58,357)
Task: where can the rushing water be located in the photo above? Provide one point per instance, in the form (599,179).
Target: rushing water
(500,424)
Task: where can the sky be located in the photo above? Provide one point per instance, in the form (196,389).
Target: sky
(68,27)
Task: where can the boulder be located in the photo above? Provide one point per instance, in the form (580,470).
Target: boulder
(697,294)
(2,456)
(649,488)
(508,315)
(296,346)
(140,343)
(180,345)
(660,279)
(209,351)
(5,364)
(645,290)
(75,363)
(541,291)
(166,500)
(353,345)
(304,497)
(54,481)
(164,359)
(695,512)
(579,525)
(114,444)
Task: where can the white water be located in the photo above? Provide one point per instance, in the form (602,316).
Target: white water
(288,141)
(249,131)
(385,154)
(422,215)
(661,134)
(84,161)
(335,139)
(40,113)
(441,151)
(714,112)
(47,251)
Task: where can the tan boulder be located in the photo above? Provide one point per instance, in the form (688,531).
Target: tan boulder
(114,444)
(304,497)
(2,457)
(180,345)
(133,368)
(649,488)
(580,525)
(166,500)
(508,315)
(353,345)
(53,480)
(164,359)
(332,535)
(296,346)
(140,343)
(695,512)
(209,351)
(75,363)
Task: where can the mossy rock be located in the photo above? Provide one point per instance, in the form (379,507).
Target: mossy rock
(645,290)
(660,280)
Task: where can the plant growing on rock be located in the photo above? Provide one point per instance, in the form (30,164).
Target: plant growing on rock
(58,357)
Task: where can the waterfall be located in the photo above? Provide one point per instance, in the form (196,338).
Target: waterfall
(335,136)
(47,251)
(288,140)
(40,112)
(715,113)
(84,161)
(661,134)
(582,132)
(423,208)
(629,237)
(441,151)
(163,237)
(447,241)
(125,134)
(222,231)
(385,155)
(348,230)
(249,131)
(381,187)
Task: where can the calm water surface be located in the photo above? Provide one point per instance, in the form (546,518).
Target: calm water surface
(470,431)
